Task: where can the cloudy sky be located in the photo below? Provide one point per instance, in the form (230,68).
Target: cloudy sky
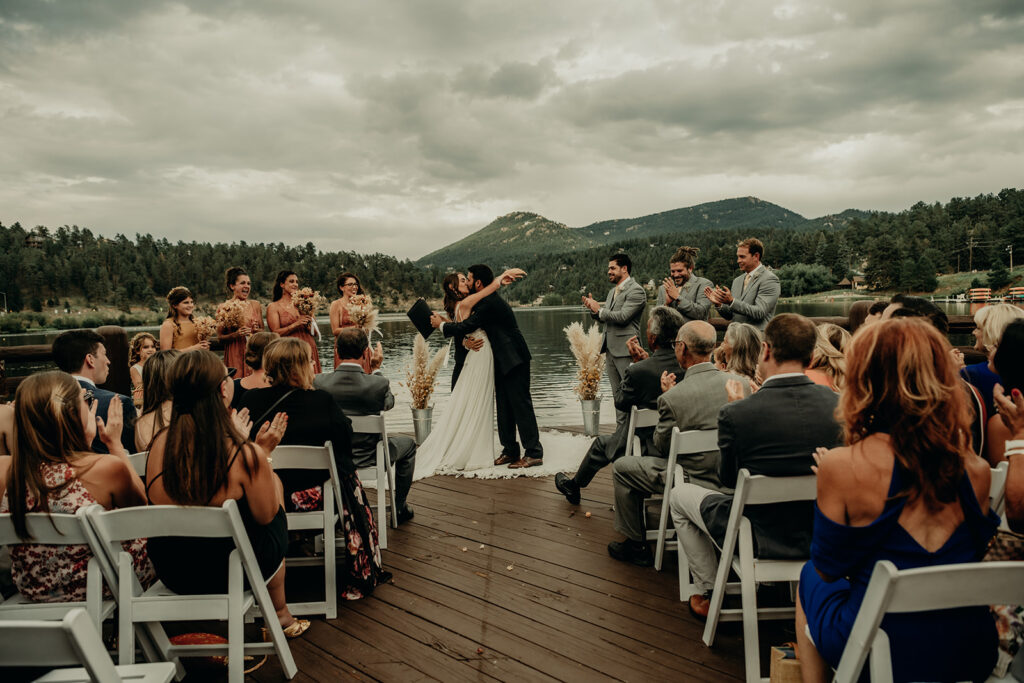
(401,125)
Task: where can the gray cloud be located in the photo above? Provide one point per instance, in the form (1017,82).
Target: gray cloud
(400,126)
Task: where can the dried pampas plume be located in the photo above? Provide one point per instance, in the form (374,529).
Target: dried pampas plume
(363,313)
(421,374)
(586,347)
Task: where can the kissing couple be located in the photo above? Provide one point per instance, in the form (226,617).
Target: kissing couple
(492,363)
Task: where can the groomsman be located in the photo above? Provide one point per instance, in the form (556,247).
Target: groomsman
(754,294)
(683,290)
(621,313)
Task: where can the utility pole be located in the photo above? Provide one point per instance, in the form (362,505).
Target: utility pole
(970,246)
(1009,248)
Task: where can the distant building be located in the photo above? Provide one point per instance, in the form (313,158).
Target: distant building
(858,283)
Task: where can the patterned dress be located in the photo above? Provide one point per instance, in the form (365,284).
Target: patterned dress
(57,573)
(234,349)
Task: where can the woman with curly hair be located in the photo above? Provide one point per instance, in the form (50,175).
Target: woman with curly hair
(907,488)
(828,364)
(140,348)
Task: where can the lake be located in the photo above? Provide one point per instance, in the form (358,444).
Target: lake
(553,369)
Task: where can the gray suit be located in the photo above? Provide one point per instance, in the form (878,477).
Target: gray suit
(621,315)
(692,303)
(358,393)
(694,403)
(755,303)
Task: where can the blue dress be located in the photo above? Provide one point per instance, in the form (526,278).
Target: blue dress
(942,645)
(984,380)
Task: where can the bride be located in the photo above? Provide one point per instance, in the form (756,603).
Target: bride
(463,439)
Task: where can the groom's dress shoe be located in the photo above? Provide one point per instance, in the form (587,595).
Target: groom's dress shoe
(568,488)
(504,459)
(526,462)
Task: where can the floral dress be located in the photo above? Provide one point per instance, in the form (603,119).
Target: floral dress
(57,573)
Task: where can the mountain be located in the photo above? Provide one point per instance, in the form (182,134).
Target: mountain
(519,237)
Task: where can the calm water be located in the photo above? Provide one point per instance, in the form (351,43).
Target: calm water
(553,367)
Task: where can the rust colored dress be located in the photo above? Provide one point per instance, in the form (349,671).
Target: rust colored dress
(287,318)
(234,349)
(345,322)
(185,336)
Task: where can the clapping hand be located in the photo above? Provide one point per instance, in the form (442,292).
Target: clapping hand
(1011,410)
(671,291)
(719,296)
(109,431)
(242,421)
(958,358)
(272,432)
(733,390)
(668,380)
(377,358)
(636,352)
(589,302)
(818,454)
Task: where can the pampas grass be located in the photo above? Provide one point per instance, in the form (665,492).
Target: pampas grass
(421,374)
(363,313)
(586,347)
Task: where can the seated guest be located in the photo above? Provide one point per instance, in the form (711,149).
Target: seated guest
(53,470)
(640,387)
(140,348)
(989,321)
(773,432)
(837,336)
(858,314)
(314,418)
(741,349)
(828,365)
(693,403)
(907,489)
(256,378)
(81,354)
(358,388)
(6,428)
(1008,361)
(202,459)
(156,398)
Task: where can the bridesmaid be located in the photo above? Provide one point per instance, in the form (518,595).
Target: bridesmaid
(238,283)
(178,330)
(348,286)
(285,320)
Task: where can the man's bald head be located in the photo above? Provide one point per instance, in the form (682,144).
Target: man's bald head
(699,337)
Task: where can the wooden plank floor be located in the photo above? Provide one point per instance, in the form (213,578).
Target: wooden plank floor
(503,580)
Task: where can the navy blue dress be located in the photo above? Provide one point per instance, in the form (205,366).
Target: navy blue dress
(941,645)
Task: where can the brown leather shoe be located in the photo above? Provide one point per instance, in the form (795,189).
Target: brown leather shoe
(526,462)
(504,459)
(700,604)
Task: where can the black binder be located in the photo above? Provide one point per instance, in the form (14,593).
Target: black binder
(420,314)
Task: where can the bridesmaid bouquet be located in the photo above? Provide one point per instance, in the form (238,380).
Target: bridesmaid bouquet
(307,301)
(422,373)
(205,327)
(586,347)
(363,313)
(233,314)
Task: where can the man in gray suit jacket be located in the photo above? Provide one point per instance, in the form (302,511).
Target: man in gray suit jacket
(358,392)
(691,404)
(754,294)
(621,315)
(683,290)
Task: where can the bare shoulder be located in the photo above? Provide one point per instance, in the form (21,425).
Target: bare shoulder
(980,474)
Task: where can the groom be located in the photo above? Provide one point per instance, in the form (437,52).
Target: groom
(511,370)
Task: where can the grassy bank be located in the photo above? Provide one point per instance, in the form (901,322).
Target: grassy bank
(949,285)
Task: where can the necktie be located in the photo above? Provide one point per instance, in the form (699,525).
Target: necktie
(746,280)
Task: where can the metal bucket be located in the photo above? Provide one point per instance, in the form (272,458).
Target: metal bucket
(421,421)
(591,416)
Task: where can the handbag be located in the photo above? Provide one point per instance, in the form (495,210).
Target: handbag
(1005,546)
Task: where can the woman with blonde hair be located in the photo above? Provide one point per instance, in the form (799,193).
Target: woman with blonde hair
(140,348)
(739,351)
(313,418)
(201,458)
(990,322)
(53,469)
(178,330)
(828,364)
(907,488)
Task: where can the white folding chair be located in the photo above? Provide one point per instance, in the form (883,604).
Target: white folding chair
(381,472)
(72,640)
(739,538)
(997,490)
(138,461)
(682,443)
(638,419)
(159,604)
(920,590)
(57,530)
(323,520)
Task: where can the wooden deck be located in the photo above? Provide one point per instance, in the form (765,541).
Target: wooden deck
(503,580)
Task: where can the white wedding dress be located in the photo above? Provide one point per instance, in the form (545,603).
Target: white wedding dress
(463,439)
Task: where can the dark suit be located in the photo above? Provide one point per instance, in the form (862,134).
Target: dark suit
(313,418)
(494,316)
(103,398)
(358,393)
(773,432)
(640,387)
(460,358)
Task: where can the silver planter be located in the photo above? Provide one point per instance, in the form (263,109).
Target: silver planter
(591,416)
(421,421)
